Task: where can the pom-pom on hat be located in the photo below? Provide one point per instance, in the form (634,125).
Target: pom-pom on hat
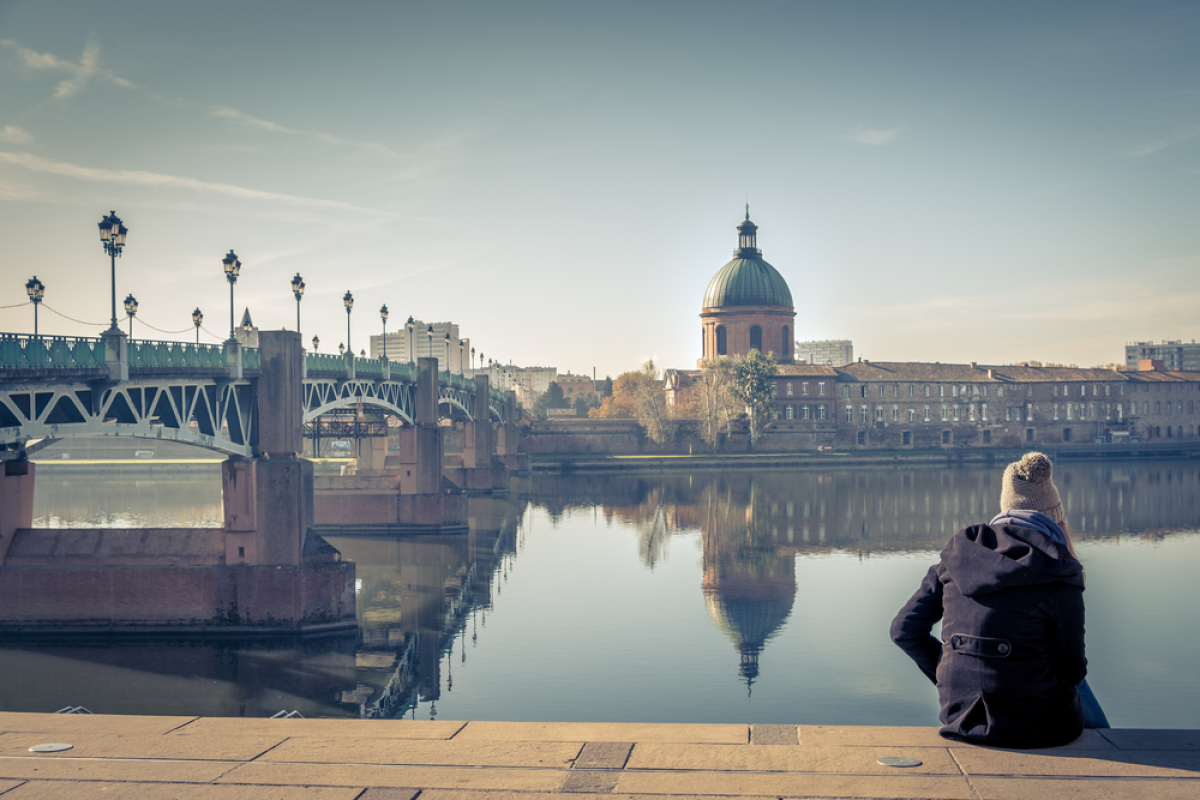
(1029,484)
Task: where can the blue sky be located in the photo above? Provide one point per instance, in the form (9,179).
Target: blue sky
(937,181)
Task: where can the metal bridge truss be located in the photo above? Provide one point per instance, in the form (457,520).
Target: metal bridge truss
(218,414)
(323,396)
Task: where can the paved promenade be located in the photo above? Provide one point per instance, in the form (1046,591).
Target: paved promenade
(192,758)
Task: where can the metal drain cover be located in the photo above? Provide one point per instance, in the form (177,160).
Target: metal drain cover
(899,761)
(56,747)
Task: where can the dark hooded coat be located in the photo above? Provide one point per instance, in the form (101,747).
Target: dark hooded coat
(1011,604)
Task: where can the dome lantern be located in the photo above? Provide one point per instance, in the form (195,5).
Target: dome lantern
(747,233)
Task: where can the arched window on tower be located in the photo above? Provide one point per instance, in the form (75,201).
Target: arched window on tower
(721,340)
(786,350)
(756,338)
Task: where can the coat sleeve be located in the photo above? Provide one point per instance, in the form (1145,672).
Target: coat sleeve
(1066,642)
(911,627)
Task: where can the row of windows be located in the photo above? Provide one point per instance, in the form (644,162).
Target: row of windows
(981,390)
(789,388)
(802,412)
(756,341)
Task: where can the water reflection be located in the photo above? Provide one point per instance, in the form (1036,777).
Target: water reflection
(777,559)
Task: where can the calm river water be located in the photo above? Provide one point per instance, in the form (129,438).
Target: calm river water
(708,597)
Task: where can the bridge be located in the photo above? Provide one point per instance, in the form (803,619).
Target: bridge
(56,387)
(252,404)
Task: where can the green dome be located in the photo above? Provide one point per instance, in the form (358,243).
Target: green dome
(747,282)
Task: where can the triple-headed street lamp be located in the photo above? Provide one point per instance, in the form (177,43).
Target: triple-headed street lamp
(316,343)
(131,305)
(348,301)
(197,319)
(36,290)
(233,268)
(112,236)
(298,291)
(383,315)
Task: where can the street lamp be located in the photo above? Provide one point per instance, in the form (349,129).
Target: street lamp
(197,318)
(461,345)
(408,326)
(447,353)
(472,359)
(348,302)
(430,332)
(341,349)
(131,305)
(383,315)
(112,236)
(35,289)
(298,291)
(233,268)
(316,344)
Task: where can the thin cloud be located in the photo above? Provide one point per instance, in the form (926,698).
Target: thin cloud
(11,134)
(273,127)
(873,136)
(80,74)
(1169,141)
(159,180)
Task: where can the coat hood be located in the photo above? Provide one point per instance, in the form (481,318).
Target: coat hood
(982,559)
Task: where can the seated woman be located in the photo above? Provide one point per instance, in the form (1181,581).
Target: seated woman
(1010,667)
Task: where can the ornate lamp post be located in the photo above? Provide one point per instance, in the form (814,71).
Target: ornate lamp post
(131,305)
(197,319)
(112,236)
(383,315)
(341,349)
(447,353)
(298,291)
(233,268)
(35,289)
(348,302)
(316,343)
(408,327)
(472,359)
(429,331)
(461,345)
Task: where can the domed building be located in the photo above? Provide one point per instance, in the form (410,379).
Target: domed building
(748,305)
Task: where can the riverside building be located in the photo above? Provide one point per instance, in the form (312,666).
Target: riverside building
(889,405)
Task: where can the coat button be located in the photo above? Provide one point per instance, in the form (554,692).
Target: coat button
(1002,648)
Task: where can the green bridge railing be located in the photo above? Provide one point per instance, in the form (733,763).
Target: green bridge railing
(147,353)
(50,352)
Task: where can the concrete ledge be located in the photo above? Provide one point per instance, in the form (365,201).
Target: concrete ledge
(255,759)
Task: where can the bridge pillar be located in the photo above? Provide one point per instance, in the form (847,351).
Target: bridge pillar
(233,359)
(16,501)
(508,438)
(116,354)
(268,498)
(481,471)
(422,447)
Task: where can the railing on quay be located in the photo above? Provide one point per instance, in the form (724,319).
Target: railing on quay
(50,352)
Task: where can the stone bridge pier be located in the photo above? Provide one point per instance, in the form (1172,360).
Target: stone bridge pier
(263,573)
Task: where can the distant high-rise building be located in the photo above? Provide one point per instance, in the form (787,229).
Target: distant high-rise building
(831,352)
(425,344)
(1177,356)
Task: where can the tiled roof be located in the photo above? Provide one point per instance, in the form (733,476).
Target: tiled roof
(865,371)
(804,371)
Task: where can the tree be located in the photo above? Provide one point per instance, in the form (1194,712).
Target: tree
(712,402)
(754,385)
(619,404)
(551,398)
(650,405)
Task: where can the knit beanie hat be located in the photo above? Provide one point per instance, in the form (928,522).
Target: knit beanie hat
(1028,484)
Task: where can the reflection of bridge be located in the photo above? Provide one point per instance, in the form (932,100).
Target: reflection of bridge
(251,404)
(55,387)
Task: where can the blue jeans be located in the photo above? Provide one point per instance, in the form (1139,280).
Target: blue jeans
(1093,714)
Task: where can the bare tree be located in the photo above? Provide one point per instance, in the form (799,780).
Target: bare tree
(650,405)
(714,402)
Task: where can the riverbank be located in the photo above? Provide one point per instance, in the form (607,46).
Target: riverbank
(199,758)
(585,462)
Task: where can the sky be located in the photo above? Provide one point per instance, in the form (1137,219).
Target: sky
(936,181)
